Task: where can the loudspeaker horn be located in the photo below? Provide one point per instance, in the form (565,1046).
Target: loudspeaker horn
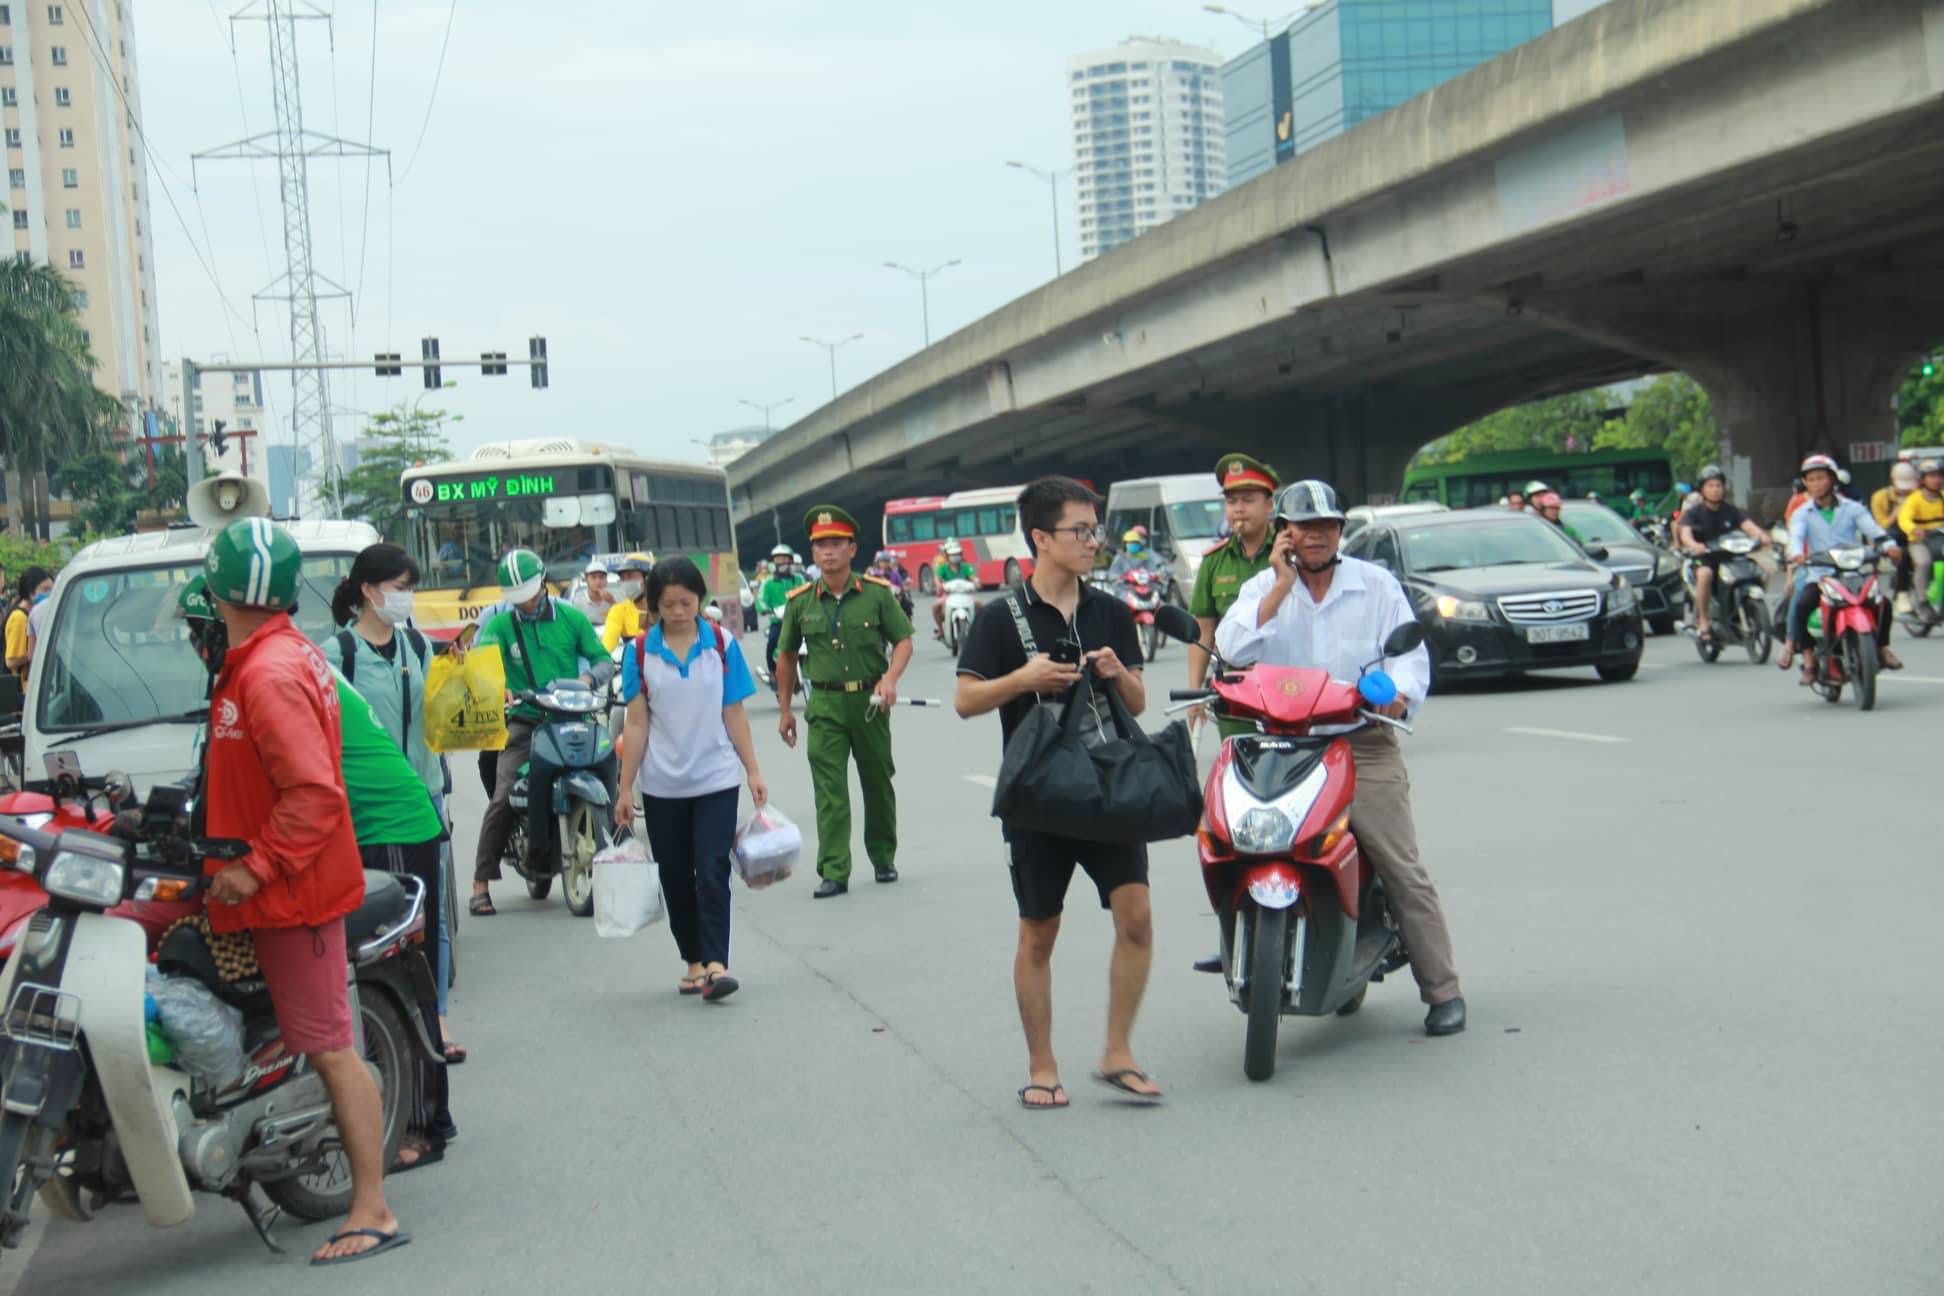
(215,502)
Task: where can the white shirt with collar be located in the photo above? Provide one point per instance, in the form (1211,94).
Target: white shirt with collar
(1340,634)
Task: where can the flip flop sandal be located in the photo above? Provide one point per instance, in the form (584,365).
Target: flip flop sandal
(455,1054)
(1055,1094)
(386,1242)
(427,1155)
(692,985)
(721,986)
(481,906)
(1117,1080)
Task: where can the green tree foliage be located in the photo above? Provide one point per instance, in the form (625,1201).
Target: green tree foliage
(1920,402)
(50,408)
(106,489)
(1562,425)
(396,440)
(1671,413)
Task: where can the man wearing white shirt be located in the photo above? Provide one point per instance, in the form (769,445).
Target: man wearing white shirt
(1314,608)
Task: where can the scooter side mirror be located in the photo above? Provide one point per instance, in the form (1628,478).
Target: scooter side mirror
(1178,624)
(1406,638)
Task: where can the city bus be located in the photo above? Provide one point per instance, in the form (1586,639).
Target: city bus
(984,522)
(567,500)
(1485,479)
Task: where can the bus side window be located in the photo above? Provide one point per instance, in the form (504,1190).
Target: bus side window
(922,527)
(948,521)
(898,528)
(988,524)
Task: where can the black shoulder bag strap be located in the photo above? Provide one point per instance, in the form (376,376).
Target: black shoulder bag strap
(1014,600)
(348,650)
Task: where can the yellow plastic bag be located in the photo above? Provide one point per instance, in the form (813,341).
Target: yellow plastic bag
(465,701)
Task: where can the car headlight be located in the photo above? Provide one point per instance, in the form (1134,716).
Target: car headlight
(1665,565)
(1452,608)
(84,879)
(1621,598)
(1263,831)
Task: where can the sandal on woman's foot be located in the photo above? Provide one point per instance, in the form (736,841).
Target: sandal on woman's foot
(1786,660)
(1055,1097)
(481,905)
(422,1154)
(720,985)
(693,985)
(454,1053)
(1889,660)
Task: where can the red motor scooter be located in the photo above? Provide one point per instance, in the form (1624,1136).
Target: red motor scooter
(1305,926)
(1846,647)
(1142,598)
(54,806)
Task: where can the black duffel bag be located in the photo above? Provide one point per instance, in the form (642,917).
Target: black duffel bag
(1130,788)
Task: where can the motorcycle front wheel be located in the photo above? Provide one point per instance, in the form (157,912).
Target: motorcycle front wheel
(1268,939)
(1860,657)
(1755,621)
(325,1193)
(1150,641)
(586,837)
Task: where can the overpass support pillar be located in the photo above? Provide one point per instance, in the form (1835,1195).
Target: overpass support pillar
(1367,445)
(1789,367)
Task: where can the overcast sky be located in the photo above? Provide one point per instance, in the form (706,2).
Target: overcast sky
(671,195)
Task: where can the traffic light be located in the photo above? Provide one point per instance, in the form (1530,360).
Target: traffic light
(429,352)
(537,353)
(388,364)
(492,364)
(1930,366)
(218,441)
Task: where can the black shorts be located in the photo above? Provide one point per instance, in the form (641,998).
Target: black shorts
(1042,868)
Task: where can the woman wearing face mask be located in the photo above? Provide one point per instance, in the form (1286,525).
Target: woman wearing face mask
(386,659)
(630,614)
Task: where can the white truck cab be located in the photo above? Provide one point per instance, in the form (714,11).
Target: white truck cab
(117,682)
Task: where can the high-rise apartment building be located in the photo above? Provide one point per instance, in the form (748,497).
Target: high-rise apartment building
(1345,61)
(1147,137)
(77,178)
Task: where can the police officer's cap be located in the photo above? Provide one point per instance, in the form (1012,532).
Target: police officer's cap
(828,522)
(1245,472)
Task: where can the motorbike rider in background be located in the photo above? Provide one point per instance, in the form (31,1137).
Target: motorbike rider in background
(783,578)
(1134,555)
(951,567)
(1703,524)
(1548,504)
(1827,520)
(1921,518)
(1884,504)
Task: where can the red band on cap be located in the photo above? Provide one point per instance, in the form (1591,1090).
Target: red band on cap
(1248,477)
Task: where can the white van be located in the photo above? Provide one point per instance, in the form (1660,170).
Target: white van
(1183,515)
(117,682)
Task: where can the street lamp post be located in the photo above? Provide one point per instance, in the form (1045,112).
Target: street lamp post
(1265,23)
(1052,179)
(924,278)
(773,405)
(831,349)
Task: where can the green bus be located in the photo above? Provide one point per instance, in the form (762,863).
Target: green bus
(1486,479)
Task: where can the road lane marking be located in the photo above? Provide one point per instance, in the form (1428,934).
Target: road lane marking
(983,780)
(1564,733)
(1900,678)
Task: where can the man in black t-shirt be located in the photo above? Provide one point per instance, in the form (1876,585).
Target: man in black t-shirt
(1705,522)
(1072,626)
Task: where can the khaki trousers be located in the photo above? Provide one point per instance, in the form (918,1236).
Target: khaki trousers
(1380,816)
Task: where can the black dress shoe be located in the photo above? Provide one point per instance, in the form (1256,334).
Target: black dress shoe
(889,873)
(1447,1018)
(827,888)
(1213,963)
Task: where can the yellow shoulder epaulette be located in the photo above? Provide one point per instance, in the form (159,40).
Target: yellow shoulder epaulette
(1219,545)
(879,580)
(801,589)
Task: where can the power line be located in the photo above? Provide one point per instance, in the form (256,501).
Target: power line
(101,57)
(451,11)
(371,111)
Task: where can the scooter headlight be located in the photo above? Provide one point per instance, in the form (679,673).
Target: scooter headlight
(85,879)
(1264,831)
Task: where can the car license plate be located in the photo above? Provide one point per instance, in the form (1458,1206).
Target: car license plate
(1556,633)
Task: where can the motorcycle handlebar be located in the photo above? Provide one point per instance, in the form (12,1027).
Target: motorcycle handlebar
(1189,695)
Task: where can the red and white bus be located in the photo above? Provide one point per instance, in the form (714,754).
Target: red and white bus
(984,522)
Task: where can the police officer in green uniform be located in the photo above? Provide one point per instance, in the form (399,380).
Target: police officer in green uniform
(845,621)
(1248,500)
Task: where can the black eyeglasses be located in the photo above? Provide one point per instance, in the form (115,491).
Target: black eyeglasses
(1081,534)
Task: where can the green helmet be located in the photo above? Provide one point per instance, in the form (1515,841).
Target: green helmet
(193,602)
(253,562)
(522,574)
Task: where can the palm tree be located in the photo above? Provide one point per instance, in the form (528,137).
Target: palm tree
(49,405)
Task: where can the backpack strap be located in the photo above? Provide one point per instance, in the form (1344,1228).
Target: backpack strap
(419,649)
(348,651)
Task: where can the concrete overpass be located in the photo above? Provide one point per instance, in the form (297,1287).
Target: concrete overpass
(1751,191)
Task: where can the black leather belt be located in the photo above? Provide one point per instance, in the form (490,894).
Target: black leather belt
(847,686)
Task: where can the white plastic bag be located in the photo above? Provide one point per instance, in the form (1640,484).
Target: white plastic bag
(767,848)
(627,890)
(207,1033)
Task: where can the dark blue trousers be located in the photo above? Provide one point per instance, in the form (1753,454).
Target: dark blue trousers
(692,838)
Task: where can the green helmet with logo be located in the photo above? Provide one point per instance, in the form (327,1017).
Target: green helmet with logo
(253,562)
(522,574)
(193,602)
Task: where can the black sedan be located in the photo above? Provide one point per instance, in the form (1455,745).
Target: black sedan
(1504,593)
(1654,573)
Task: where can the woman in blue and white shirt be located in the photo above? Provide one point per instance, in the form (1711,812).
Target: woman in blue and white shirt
(687,748)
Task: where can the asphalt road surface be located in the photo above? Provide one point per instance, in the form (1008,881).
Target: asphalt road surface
(1688,910)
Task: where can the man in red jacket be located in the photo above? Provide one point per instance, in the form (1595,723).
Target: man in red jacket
(273,781)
